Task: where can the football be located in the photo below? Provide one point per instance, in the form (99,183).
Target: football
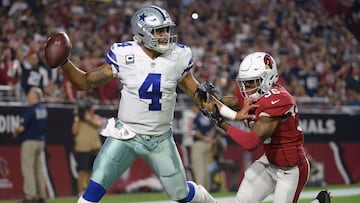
(57,49)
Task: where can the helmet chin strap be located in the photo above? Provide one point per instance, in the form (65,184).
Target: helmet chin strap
(138,40)
(164,47)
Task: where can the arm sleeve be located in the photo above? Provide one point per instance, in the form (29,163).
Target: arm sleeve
(248,140)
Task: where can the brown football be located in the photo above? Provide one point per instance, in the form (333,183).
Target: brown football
(57,49)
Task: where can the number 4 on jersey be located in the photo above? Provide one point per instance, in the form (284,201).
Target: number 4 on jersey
(150,89)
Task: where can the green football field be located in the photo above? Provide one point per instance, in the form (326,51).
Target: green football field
(340,193)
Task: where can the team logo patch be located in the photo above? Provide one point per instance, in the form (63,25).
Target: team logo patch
(129,59)
(268,61)
(5,183)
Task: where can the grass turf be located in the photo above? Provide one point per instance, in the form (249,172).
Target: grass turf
(143,197)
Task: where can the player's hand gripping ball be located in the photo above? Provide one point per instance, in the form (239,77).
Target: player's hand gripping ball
(57,49)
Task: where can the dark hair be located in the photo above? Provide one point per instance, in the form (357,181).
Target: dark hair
(81,113)
(82,107)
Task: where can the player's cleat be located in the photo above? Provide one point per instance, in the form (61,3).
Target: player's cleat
(322,197)
(207,196)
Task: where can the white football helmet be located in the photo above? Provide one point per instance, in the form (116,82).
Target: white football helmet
(146,21)
(257,74)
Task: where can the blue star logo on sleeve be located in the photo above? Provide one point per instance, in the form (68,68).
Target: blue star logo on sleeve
(142,17)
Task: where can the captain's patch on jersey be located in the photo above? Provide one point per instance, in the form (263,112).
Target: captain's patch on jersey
(129,59)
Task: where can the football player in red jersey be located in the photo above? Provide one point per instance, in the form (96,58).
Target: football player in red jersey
(283,168)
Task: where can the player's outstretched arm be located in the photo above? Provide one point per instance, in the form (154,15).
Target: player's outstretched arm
(190,86)
(263,128)
(57,54)
(231,101)
(87,80)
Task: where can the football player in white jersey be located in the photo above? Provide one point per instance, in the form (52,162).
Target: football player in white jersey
(150,68)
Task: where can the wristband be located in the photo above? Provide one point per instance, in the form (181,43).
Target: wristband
(227,112)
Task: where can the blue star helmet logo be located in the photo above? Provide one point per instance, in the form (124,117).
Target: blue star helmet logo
(142,17)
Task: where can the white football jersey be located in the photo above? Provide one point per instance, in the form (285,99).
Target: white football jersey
(149,94)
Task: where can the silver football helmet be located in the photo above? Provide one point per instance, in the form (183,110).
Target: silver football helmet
(146,22)
(257,74)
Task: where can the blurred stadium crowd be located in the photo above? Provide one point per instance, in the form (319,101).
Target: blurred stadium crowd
(313,41)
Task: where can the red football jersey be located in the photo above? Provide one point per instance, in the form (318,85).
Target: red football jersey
(285,147)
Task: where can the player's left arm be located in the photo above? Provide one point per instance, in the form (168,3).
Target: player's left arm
(189,85)
(263,128)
